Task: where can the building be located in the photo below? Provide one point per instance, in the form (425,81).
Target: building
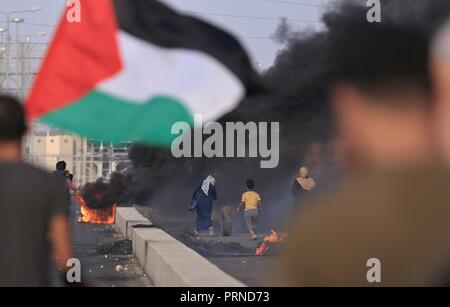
(88,160)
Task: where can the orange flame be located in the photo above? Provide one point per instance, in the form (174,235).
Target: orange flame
(92,216)
(274,237)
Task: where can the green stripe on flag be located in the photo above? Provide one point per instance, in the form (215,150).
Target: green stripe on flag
(104,117)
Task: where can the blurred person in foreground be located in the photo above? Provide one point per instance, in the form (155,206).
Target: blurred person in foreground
(440,60)
(35,207)
(395,203)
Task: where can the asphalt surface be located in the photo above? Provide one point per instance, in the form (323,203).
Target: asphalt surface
(106,258)
(256,271)
(234,255)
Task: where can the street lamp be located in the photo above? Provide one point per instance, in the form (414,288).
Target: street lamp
(28,38)
(24,64)
(2,32)
(17,21)
(19,53)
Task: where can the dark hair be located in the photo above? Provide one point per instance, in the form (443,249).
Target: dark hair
(250,184)
(378,58)
(12,119)
(61,166)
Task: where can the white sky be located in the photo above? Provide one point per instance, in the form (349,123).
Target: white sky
(254,32)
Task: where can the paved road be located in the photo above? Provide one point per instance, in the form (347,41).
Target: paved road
(255,271)
(252,270)
(235,255)
(101,248)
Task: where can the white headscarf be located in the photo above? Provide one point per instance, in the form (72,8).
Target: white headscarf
(207,182)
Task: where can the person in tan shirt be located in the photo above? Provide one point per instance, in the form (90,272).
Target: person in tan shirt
(251,203)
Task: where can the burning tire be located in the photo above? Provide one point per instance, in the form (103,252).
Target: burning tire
(225,218)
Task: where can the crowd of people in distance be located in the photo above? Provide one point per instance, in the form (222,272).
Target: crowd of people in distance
(250,204)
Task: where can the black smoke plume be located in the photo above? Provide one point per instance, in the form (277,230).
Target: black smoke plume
(103,194)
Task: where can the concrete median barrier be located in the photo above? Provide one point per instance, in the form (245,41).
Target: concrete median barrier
(128,217)
(167,261)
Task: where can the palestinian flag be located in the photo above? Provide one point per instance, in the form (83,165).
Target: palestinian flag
(130,69)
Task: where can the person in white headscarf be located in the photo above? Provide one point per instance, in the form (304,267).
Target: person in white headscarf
(302,185)
(205,194)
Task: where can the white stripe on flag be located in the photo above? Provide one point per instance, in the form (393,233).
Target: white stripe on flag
(196,79)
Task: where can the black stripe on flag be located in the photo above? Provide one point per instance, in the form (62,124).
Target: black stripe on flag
(158,24)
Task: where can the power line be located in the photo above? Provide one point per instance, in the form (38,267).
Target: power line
(210,14)
(230,16)
(250,17)
(33,24)
(298,3)
(257,37)
(38,24)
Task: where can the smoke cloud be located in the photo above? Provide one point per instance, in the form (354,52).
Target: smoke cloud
(104,194)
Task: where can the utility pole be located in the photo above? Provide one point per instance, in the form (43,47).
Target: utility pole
(2,49)
(2,53)
(19,54)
